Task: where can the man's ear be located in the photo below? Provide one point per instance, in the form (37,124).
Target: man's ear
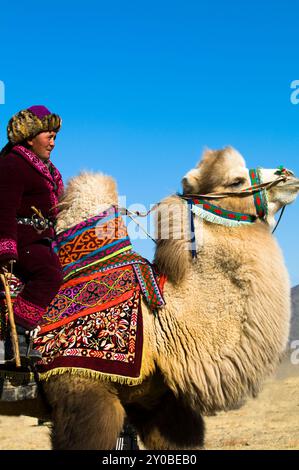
(29,142)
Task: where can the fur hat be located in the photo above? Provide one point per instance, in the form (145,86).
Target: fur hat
(29,122)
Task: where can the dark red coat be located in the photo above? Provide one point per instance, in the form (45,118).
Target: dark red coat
(25,181)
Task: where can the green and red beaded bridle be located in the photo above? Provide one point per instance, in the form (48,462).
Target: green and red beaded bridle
(199,204)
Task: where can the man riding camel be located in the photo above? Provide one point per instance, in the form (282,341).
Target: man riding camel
(30,187)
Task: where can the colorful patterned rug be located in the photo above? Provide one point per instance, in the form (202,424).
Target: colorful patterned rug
(105,344)
(94,324)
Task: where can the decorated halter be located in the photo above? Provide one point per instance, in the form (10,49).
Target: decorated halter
(198,205)
(260,195)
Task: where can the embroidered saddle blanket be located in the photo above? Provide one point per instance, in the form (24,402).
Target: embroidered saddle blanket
(94,324)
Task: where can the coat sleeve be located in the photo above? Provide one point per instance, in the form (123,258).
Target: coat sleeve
(11,191)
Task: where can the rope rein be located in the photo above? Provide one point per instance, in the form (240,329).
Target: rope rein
(129,214)
(279,219)
(245,192)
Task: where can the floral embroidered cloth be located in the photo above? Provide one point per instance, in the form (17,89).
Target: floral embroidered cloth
(105,344)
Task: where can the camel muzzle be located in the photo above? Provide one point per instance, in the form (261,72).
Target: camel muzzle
(291,182)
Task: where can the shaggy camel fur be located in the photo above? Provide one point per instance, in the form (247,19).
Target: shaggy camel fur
(222,331)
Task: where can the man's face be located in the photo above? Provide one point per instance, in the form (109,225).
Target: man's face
(43,144)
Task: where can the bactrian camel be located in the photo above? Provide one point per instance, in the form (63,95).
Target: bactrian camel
(225,323)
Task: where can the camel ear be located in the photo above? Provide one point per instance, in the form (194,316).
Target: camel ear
(172,255)
(190,182)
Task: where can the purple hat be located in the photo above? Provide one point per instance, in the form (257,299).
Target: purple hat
(39,111)
(28,123)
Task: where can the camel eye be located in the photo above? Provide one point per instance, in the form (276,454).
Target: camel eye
(237,183)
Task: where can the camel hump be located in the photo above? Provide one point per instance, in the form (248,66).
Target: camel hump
(86,195)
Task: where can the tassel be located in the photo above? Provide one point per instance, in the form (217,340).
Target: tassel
(91,374)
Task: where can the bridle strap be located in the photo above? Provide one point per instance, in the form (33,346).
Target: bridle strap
(259,197)
(252,190)
(244,193)
(192,229)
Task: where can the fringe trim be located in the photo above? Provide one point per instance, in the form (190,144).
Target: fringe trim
(24,377)
(91,374)
(216,219)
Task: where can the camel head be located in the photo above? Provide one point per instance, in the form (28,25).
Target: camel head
(225,171)
(219,171)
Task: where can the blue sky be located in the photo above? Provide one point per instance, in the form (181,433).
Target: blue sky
(144,86)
